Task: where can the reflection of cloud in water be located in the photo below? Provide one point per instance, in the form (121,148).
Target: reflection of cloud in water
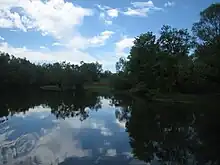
(89,123)
(53,147)
(111,152)
(101,126)
(40,111)
(58,145)
(105,103)
(4,131)
(120,123)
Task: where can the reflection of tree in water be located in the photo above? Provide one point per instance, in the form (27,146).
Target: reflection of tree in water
(173,132)
(122,103)
(14,101)
(76,105)
(62,104)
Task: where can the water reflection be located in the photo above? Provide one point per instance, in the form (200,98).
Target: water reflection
(62,105)
(84,128)
(173,133)
(60,128)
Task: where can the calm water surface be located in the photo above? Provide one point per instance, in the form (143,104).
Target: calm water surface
(90,129)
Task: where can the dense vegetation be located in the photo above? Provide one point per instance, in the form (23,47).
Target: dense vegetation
(21,72)
(176,61)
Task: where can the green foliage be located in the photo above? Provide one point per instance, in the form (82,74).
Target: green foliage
(208,27)
(207,30)
(21,72)
(174,61)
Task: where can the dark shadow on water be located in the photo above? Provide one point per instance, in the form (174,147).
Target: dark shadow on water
(173,133)
(62,104)
(159,132)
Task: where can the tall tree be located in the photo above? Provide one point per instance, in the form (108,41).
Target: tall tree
(207,30)
(208,27)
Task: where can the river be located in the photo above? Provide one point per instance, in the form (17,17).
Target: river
(85,129)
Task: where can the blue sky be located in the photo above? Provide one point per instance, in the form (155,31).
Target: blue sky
(88,30)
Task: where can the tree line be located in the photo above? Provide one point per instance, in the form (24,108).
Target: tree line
(21,72)
(178,60)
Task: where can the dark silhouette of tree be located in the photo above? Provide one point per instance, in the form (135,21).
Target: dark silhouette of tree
(175,61)
(17,72)
(173,133)
(63,105)
(207,31)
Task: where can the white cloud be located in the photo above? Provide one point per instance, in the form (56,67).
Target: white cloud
(108,22)
(72,56)
(137,12)
(141,9)
(107,14)
(54,17)
(138,9)
(77,42)
(80,42)
(101,126)
(103,8)
(57,44)
(105,131)
(49,146)
(37,111)
(102,15)
(112,13)
(1,38)
(57,18)
(8,3)
(169,4)
(4,23)
(43,47)
(111,152)
(104,18)
(60,19)
(10,20)
(100,40)
(124,43)
(121,124)
(143,4)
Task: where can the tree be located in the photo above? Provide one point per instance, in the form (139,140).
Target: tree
(161,63)
(175,42)
(208,27)
(121,65)
(207,30)
(142,59)
(21,72)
